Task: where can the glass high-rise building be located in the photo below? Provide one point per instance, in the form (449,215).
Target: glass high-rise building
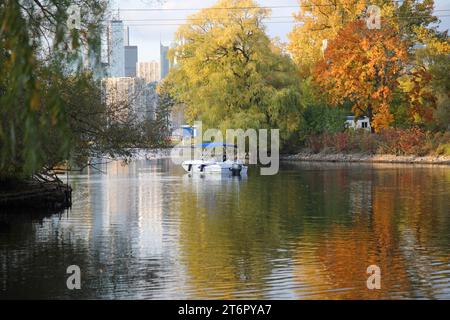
(131,58)
(164,60)
(116,52)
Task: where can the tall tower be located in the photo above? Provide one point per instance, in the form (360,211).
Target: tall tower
(127,36)
(116,51)
(164,60)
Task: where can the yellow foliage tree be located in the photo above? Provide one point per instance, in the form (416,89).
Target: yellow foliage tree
(426,85)
(321,20)
(229,74)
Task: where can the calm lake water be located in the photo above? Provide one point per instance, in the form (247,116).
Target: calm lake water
(149,231)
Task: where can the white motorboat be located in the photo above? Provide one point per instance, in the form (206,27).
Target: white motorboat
(224,167)
(234,168)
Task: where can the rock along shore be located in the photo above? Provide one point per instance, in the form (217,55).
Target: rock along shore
(368,158)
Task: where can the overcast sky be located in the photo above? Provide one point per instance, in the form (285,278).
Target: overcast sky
(148,34)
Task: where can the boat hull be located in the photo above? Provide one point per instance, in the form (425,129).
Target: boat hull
(204,167)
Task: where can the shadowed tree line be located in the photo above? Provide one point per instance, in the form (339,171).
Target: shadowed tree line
(51,104)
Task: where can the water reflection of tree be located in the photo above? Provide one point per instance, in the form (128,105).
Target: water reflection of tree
(231,232)
(396,229)
(331,224)
(234,232)
(307,232)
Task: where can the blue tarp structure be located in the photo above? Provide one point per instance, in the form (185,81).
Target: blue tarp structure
(215,145)
(188,132)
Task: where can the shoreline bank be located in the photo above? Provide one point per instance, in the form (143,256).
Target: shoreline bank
(334,157)
(365,158)
(55,196)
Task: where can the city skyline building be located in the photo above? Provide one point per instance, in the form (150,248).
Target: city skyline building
(116,51)
(126,36)
(164,60)
(131,59)
(149,71)
(131,92)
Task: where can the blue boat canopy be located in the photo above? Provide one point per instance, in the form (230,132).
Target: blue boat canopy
(215,145)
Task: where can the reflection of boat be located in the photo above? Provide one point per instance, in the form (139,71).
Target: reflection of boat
(212,180)
(225,167)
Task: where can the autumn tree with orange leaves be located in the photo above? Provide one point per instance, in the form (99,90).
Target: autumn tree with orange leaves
(319,20)
(362,66)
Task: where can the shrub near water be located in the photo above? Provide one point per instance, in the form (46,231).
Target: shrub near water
(442,143)
(403,142)
(412,141)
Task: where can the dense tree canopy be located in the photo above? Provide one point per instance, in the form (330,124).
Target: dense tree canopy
(35,37)
(51,105)
(229,73)
(319,20)
(427,84)
(396,74)
(362,66)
